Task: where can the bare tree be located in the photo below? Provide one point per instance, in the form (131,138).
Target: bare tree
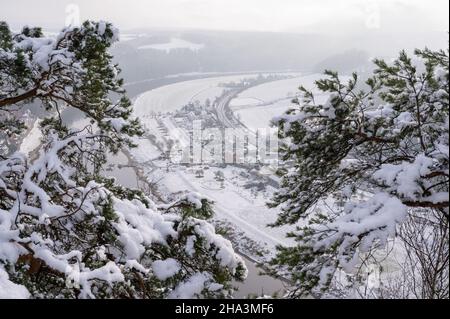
(426,242)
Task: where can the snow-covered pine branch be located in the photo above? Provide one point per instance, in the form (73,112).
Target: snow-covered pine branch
(65,230)
(382,151)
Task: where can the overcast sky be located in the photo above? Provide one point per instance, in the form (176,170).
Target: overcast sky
(248,15)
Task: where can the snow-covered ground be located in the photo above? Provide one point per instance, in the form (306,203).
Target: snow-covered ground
(276,90)
(173,97)
(145,150)
(258,105)
(256,117)
(233,202)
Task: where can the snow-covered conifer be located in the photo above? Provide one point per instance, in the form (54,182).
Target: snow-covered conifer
(65,230)
(362,164)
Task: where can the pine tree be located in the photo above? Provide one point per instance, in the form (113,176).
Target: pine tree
(65,230)
(362,164)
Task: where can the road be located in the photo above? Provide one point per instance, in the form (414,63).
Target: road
(223,106)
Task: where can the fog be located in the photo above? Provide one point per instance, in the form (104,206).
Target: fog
(246,35)
(323,16)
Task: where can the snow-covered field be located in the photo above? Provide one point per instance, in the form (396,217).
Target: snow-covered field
(173,97)
(145,150)
(257,106)
(276,90)
(256,117)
